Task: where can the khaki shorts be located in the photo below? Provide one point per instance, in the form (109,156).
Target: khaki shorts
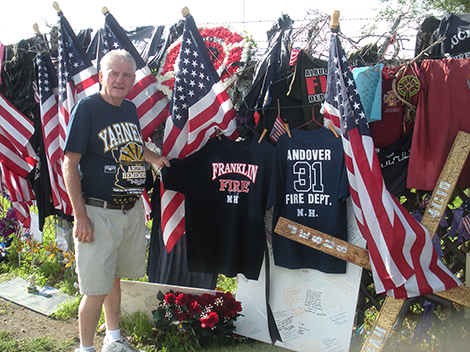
(118,249)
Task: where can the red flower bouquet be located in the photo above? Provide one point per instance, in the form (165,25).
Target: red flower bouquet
(201,317)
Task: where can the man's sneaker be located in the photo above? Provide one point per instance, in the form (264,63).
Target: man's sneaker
(120,345)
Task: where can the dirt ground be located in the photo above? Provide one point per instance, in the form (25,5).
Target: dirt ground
(23,323)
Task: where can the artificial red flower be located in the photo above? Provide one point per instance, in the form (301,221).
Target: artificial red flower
(180,316)
(182,299)
(170,298)
(210,321)
(205,299)
(194,308)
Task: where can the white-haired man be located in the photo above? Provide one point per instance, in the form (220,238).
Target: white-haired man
(104,172)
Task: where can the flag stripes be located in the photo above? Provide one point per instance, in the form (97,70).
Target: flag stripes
(74,78)
(278,129)
(17,158)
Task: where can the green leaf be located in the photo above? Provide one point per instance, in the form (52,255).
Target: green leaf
(160,296)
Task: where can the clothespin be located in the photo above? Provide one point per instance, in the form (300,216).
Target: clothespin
(217,131)
(262,135)
(286,125)
(332,128)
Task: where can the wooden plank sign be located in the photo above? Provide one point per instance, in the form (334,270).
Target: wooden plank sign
(446,183)
(459,295)
(323,242)
(383,324)
(351,253)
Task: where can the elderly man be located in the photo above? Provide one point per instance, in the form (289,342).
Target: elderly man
(104,172)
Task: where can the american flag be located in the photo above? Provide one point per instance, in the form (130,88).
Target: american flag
(77,78)
(278,129)
(294,54)
(466,216)
(152,104)
(77,75)
(17,158)
(51,130)
(466,223)
(199,105)
(404,262)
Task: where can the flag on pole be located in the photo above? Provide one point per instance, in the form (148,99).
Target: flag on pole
(466,223)
(51,130)
(77,75)
(17,158)
(77,78)
(199,105)
(404,262)
(152,104)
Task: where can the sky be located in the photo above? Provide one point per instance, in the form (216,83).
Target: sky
(18,17)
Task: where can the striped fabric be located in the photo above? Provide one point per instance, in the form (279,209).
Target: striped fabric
(404,262)
(278,129)
(77,78)
(17,158)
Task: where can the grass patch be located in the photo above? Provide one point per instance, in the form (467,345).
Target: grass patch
(68,309)
(41,344)
(138,326)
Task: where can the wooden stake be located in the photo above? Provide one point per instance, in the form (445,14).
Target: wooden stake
(333,129)
(36,29)
(286,125)
(185,11)
(55,5)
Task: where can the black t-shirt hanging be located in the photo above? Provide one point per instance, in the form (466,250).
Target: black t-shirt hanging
(228,186)
(455,28)
(314,186)
(394,160)
(309,86)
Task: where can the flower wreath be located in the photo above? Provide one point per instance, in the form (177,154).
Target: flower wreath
(228,51)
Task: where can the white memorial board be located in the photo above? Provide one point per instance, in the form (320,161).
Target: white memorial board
(313,311)
(137,296)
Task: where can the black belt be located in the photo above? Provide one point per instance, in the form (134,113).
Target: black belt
(107,205)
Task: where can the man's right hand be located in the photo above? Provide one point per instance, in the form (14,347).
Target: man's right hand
(82,229)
